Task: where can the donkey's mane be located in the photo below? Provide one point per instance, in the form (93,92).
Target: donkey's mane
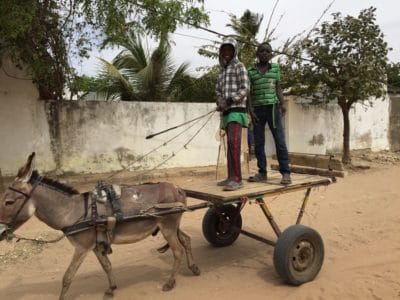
(54,184)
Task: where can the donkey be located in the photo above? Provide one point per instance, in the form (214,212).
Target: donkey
(60,207)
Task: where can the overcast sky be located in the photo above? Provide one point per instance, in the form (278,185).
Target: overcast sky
(297,16)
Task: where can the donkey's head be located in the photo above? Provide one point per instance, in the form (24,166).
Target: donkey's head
(16,205)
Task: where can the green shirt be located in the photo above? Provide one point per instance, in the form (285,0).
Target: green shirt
(263,86)
(238,117)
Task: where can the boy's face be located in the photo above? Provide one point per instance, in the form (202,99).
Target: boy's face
(227,52)
(264,53)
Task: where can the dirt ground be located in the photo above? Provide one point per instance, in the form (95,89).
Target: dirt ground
(358,218)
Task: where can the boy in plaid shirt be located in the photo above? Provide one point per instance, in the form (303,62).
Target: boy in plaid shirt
(231,91)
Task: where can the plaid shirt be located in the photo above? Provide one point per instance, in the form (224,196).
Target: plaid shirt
(233,82)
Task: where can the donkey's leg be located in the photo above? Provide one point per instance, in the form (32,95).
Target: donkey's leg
(106,264)
(77,259)
(185,241)
(171,235)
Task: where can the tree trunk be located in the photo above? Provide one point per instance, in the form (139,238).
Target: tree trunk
(2,187)
(53,119)
(346,157)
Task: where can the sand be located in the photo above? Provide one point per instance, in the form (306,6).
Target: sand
(358,218)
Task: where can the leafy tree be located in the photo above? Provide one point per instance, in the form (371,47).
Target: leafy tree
(45,35)
(393,77)
(346,63)
(201,89)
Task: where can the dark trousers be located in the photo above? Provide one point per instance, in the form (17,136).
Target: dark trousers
(264,115)
(234,135)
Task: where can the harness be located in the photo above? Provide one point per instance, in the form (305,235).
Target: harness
(104,225)
(27,197)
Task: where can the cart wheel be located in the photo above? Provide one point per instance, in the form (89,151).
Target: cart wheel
(298,254)
(218,227)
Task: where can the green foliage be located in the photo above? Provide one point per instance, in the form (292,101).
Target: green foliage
(135,75)
(246,29)
(393,77)
(31,35)
(347,60)
(201,89)
(45,35)
(346,63)
(81,86)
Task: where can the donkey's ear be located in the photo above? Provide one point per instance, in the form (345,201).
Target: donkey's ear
(25,172)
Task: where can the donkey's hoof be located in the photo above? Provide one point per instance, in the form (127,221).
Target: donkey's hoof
(163,249)
(110,291)
(169,285)
(195,269)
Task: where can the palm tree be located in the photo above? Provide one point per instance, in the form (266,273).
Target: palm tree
(136,75)
(246,29)
(247,26)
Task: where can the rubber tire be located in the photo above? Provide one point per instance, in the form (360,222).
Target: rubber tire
(212,230)
(286,258)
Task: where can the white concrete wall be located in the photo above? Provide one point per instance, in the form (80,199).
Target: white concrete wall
(319,129)
(23,123)
(97,136)
(103,136)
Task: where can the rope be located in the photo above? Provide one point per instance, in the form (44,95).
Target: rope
(183,147)
(162,145)
(38,241)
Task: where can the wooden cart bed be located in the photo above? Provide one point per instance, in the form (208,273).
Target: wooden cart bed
(209,191)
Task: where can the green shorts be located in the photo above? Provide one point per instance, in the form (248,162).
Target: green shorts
(238,117)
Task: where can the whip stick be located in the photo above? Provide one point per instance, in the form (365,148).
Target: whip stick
(177,126)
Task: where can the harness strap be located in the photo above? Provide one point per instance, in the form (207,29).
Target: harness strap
(93,208)
(27,197)
(107,190)
(115,204)
(20,192)
(86,203)
(88,224)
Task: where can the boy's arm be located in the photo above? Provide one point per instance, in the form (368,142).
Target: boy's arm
(218,91)
(220,101)
(279,93)
(244,84)
(281,99)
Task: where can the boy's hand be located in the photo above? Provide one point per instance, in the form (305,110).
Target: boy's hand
(283,108)
(221,104)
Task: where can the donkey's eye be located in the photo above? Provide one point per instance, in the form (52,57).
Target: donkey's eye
(9,202)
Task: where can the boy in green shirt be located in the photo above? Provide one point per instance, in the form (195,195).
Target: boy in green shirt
(266,99)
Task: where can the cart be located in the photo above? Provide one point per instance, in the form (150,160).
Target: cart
(299,250)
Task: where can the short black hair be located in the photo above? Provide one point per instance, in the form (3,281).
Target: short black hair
(264,44)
